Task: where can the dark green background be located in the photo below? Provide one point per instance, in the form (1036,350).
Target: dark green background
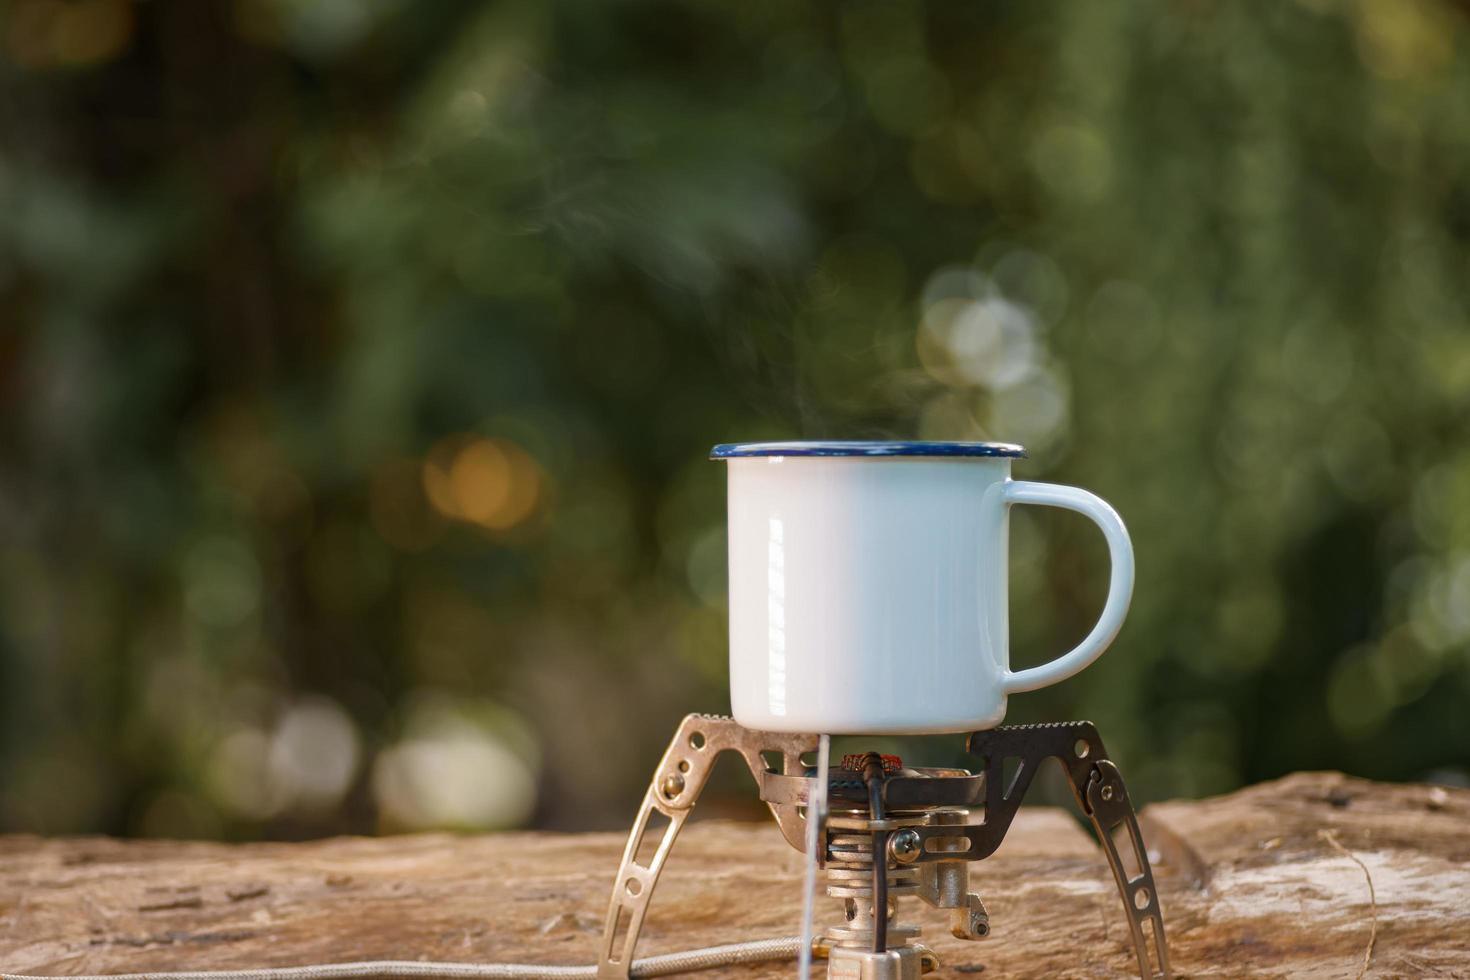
(269,269)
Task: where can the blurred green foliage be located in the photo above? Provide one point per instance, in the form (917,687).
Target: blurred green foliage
(361,356)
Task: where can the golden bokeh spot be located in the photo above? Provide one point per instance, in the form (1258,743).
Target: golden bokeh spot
(490,482)
(480,481)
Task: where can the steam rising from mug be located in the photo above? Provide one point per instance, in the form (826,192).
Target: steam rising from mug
(868,585)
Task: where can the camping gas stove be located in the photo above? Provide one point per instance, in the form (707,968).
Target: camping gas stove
(888,832)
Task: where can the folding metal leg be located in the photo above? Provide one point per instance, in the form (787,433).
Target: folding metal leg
(1098,786)
(675,788)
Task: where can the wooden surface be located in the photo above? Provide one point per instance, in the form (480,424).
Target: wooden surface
(1250,886)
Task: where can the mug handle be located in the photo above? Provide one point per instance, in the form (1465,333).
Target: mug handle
(1120,586)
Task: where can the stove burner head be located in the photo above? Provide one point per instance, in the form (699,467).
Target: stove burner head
(857,761)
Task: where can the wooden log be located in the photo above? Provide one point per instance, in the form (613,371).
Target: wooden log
(1264,882)
(1274,880)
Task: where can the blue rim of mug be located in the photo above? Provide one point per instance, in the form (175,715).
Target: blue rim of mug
(741,450)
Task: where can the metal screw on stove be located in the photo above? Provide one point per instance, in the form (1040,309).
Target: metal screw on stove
(905,846)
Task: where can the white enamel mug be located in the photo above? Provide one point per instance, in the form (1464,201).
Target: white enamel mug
(868,585)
